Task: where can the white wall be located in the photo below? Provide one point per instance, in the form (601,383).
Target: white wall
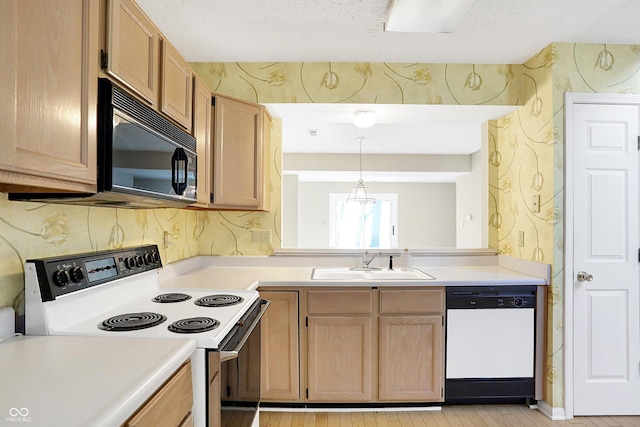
(472,199)
(290,211)
(426,212)
(469,204)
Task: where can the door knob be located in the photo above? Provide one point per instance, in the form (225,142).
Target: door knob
(583,276)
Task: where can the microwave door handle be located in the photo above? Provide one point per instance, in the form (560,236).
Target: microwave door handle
(179,175)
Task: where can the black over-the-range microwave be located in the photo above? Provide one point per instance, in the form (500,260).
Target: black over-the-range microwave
(144,160)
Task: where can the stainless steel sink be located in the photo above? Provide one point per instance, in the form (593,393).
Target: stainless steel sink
(348,274)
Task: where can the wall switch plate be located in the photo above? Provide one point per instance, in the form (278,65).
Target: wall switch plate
(261,236)
(521,239)
(535,203)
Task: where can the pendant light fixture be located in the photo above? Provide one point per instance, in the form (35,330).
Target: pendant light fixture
(360,193)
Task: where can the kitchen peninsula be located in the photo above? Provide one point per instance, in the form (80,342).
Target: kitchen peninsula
(357,341)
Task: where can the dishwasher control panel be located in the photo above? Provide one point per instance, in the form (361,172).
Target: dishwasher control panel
(461,297)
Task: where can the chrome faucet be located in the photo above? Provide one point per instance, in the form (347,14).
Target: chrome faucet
(366,260)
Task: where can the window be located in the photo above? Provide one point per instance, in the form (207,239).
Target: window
(356,225)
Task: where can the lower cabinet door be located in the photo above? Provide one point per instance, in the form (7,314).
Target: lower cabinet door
(411,358)
(339,358)
(280,356)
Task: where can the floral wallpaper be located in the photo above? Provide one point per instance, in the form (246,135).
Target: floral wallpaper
(527,160)
(37,230)
(382,83)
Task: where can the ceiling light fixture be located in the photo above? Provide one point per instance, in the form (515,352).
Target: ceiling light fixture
(426,16)
(360,193)
(364,118)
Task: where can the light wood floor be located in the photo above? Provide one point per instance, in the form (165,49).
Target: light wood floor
(449,416)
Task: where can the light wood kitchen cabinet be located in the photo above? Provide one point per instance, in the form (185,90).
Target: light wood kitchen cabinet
(170,406)
(139,56)
(280,372)
(176,86)
(370,345)
(202,133)
(339,335)
(48,82)
(239,155)
(133,49)
(411,345)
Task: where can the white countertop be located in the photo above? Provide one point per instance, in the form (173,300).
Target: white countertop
(83,381)
(249,277)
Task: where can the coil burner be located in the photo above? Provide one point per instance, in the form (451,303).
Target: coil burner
(193,325)
(221,300)
(132,321)
(171,297)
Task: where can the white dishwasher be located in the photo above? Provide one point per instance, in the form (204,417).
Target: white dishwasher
(490,344)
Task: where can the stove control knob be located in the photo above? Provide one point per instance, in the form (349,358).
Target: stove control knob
(130,262)
(139,261)
(76,274)
(156,257)
(517,301)
(148,259)
(61,278)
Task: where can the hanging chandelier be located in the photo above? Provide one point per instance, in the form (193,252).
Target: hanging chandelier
(360,193)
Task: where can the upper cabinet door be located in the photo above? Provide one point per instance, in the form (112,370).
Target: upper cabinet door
(48,87)
(202,133)
(177,86)
(238,154)
(133,48)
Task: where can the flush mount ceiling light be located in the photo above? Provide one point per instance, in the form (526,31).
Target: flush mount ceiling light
(426,16)
(364,118)
(360,193)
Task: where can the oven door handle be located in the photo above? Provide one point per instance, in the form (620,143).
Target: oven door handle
(233,354)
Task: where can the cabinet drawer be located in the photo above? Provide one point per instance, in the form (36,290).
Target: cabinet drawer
(340,301)
(170,405)
(419,301)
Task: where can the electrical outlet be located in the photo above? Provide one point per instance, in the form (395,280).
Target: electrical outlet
(261,236)
(165,239)
(535,203)
(521,239)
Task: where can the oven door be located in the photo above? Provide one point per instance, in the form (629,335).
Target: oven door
(234,373)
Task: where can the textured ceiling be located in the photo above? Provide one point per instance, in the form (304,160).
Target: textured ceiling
(492,31)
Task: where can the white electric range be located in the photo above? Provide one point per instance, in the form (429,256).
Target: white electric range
(117,293)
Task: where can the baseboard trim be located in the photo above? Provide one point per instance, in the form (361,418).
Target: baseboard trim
(555,414)
(351,409)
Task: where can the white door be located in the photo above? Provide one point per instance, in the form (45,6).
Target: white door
(606,321)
